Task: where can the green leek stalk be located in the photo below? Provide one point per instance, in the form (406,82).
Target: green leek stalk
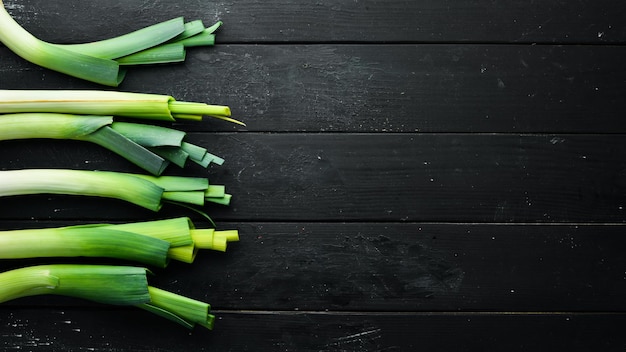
(83,242)
(149,147)
(143,190)
(22,43)
(149,242)
(175,49)
(115,285)
(97,61)
(130,43)
(114,103)
(103,284)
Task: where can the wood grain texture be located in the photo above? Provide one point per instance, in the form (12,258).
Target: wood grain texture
(385,88)
(425,175)
(133,330)
(256,21)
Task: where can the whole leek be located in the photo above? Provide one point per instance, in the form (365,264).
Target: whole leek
(96,61)
(149,242)
(22,43)
(147,191)
(109,103)
(149,147)
(116,285)
(83,242)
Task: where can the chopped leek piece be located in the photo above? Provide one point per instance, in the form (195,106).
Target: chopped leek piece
(190,310)
(185,254)
(212,239)
(225,200)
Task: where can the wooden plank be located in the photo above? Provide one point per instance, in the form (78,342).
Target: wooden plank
(112,330)
(386,88)
(347,21)
(396,267)
(367,177)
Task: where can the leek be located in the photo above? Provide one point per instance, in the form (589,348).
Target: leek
(139,143)
(97,61)
(115,285)
(130,43)
(22,43)
(83,242)
(99,102)
(103,284)
(145,191)
(149,242)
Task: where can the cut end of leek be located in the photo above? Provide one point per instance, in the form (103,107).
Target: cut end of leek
(228,119)
(108,284)
(215,240)
(180,308)
(191,110)
(225,200)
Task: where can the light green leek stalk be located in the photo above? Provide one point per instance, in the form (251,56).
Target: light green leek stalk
(148,242)
(119,285)
(173,50)
(188,311)
(100,61)
(184,251)
(80,127)
(81,182)
(144,145)
(116,285)
(83,242)
(132,42)
(98,102)
(185,240)
(166,53)
(22,43)
(196,190)
(143,190)
(124,48)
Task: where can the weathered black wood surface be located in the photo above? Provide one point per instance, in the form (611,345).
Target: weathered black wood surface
(425,175)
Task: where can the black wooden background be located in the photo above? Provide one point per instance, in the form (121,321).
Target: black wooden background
(426,175)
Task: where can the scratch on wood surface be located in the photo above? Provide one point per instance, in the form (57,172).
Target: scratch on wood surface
(366,338)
